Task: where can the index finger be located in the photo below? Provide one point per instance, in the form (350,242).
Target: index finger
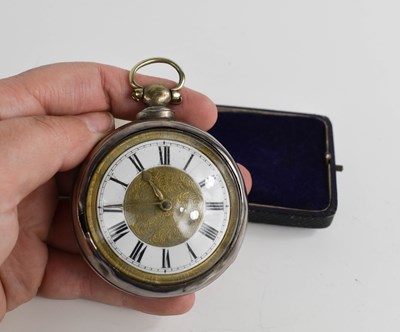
(75,88)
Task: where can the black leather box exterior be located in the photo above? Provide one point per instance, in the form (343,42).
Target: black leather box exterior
(292,162)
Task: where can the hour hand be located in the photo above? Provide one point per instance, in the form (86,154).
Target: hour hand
(146,176)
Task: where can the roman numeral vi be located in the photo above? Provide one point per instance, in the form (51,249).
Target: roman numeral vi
(166,262)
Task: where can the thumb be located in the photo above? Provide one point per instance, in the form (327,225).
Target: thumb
(35,148)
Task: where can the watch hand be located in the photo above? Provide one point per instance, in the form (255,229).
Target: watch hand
(130,204)
(112,206)
(165,205)
(144,203)
(146,176)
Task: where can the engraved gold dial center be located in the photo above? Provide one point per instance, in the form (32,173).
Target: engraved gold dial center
(164,206)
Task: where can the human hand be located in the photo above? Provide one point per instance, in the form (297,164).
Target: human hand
(50,118)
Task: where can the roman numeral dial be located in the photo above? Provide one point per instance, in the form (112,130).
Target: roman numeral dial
(163,206)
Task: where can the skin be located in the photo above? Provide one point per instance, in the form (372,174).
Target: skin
(50,118)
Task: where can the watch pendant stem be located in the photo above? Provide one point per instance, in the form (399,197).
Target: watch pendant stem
(156,96)
(156,113)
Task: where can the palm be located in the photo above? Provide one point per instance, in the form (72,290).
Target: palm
(23,271)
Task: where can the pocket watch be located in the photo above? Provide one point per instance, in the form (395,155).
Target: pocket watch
(160,207)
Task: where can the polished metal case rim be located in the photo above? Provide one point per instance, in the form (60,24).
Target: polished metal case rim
(88,247)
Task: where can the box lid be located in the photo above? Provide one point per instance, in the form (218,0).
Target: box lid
(292,162)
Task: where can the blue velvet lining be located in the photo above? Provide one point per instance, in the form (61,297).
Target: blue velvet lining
(285,154)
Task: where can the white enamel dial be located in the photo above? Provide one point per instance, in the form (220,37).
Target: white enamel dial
(201,227)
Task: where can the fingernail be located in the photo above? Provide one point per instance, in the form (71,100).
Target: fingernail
(99,122)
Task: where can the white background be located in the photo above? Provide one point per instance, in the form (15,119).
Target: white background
(339,58)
